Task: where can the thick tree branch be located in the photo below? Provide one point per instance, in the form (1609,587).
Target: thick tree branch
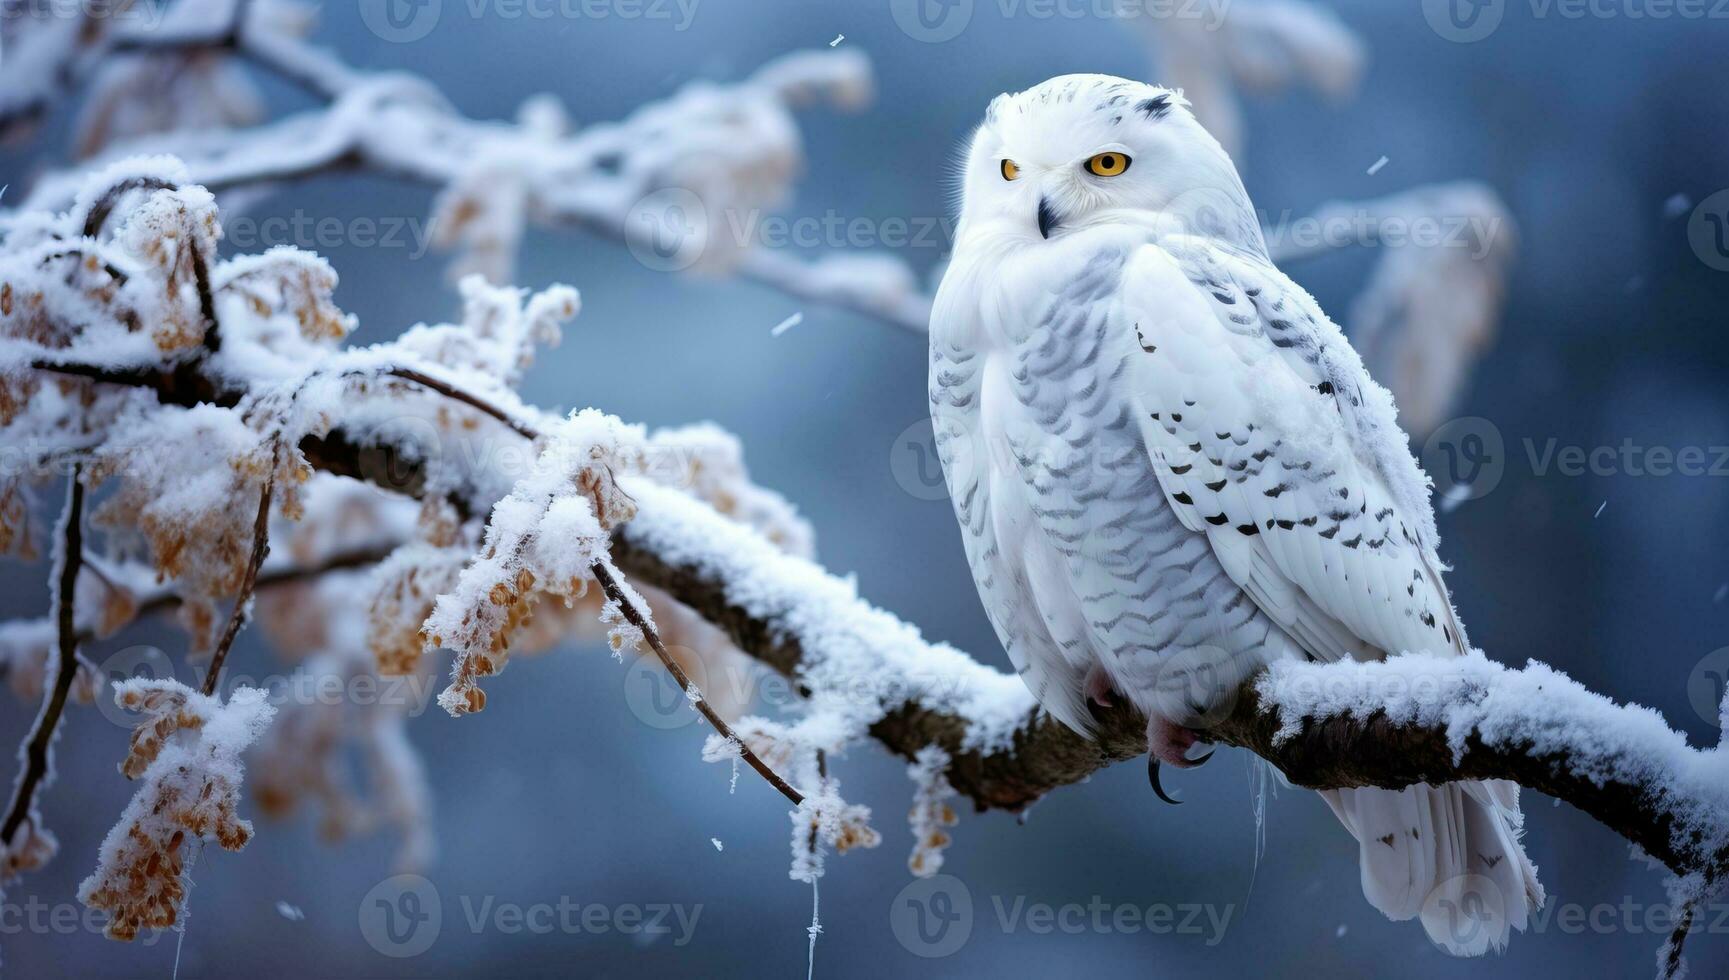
(1668,798)
(1481,721)
(1432,720)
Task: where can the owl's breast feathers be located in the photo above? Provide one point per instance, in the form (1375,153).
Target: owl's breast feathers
(1162,452)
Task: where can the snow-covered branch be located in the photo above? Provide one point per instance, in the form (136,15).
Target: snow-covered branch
(673,181)
(1426,719)
(1325,726)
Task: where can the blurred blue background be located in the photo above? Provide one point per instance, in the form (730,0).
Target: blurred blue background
(1613,332)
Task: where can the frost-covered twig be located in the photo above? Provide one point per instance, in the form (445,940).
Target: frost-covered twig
(631,613)
(243,601)
(52,56)
(730,151)
(24,632)
(38,766)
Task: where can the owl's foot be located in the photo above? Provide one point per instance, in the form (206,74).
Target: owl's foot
(1169,742)
(1098,686)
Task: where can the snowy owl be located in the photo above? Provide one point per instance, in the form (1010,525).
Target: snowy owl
(1170,468)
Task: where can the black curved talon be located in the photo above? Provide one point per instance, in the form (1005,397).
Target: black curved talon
(1202,760)
(1153,777)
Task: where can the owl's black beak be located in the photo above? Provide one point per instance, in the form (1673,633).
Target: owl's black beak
(1047,217)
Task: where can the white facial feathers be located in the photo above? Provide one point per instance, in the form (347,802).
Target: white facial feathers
(1171,169)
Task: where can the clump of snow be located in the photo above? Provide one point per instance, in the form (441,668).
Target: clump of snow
(825,820)
(858,661)
(500,329)
(186,755)
(542,539)
(931,811)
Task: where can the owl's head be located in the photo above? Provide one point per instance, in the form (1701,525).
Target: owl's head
(1082,150)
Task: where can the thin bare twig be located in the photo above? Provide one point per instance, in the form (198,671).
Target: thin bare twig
(36,747)
(164,600)
(609,585)
(312,69)
(473,401)
(260,548)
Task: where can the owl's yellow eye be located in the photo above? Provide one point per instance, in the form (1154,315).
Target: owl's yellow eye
(1107,164)
(1010,171)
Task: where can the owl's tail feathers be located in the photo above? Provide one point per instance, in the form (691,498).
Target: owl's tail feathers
(1447,854)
